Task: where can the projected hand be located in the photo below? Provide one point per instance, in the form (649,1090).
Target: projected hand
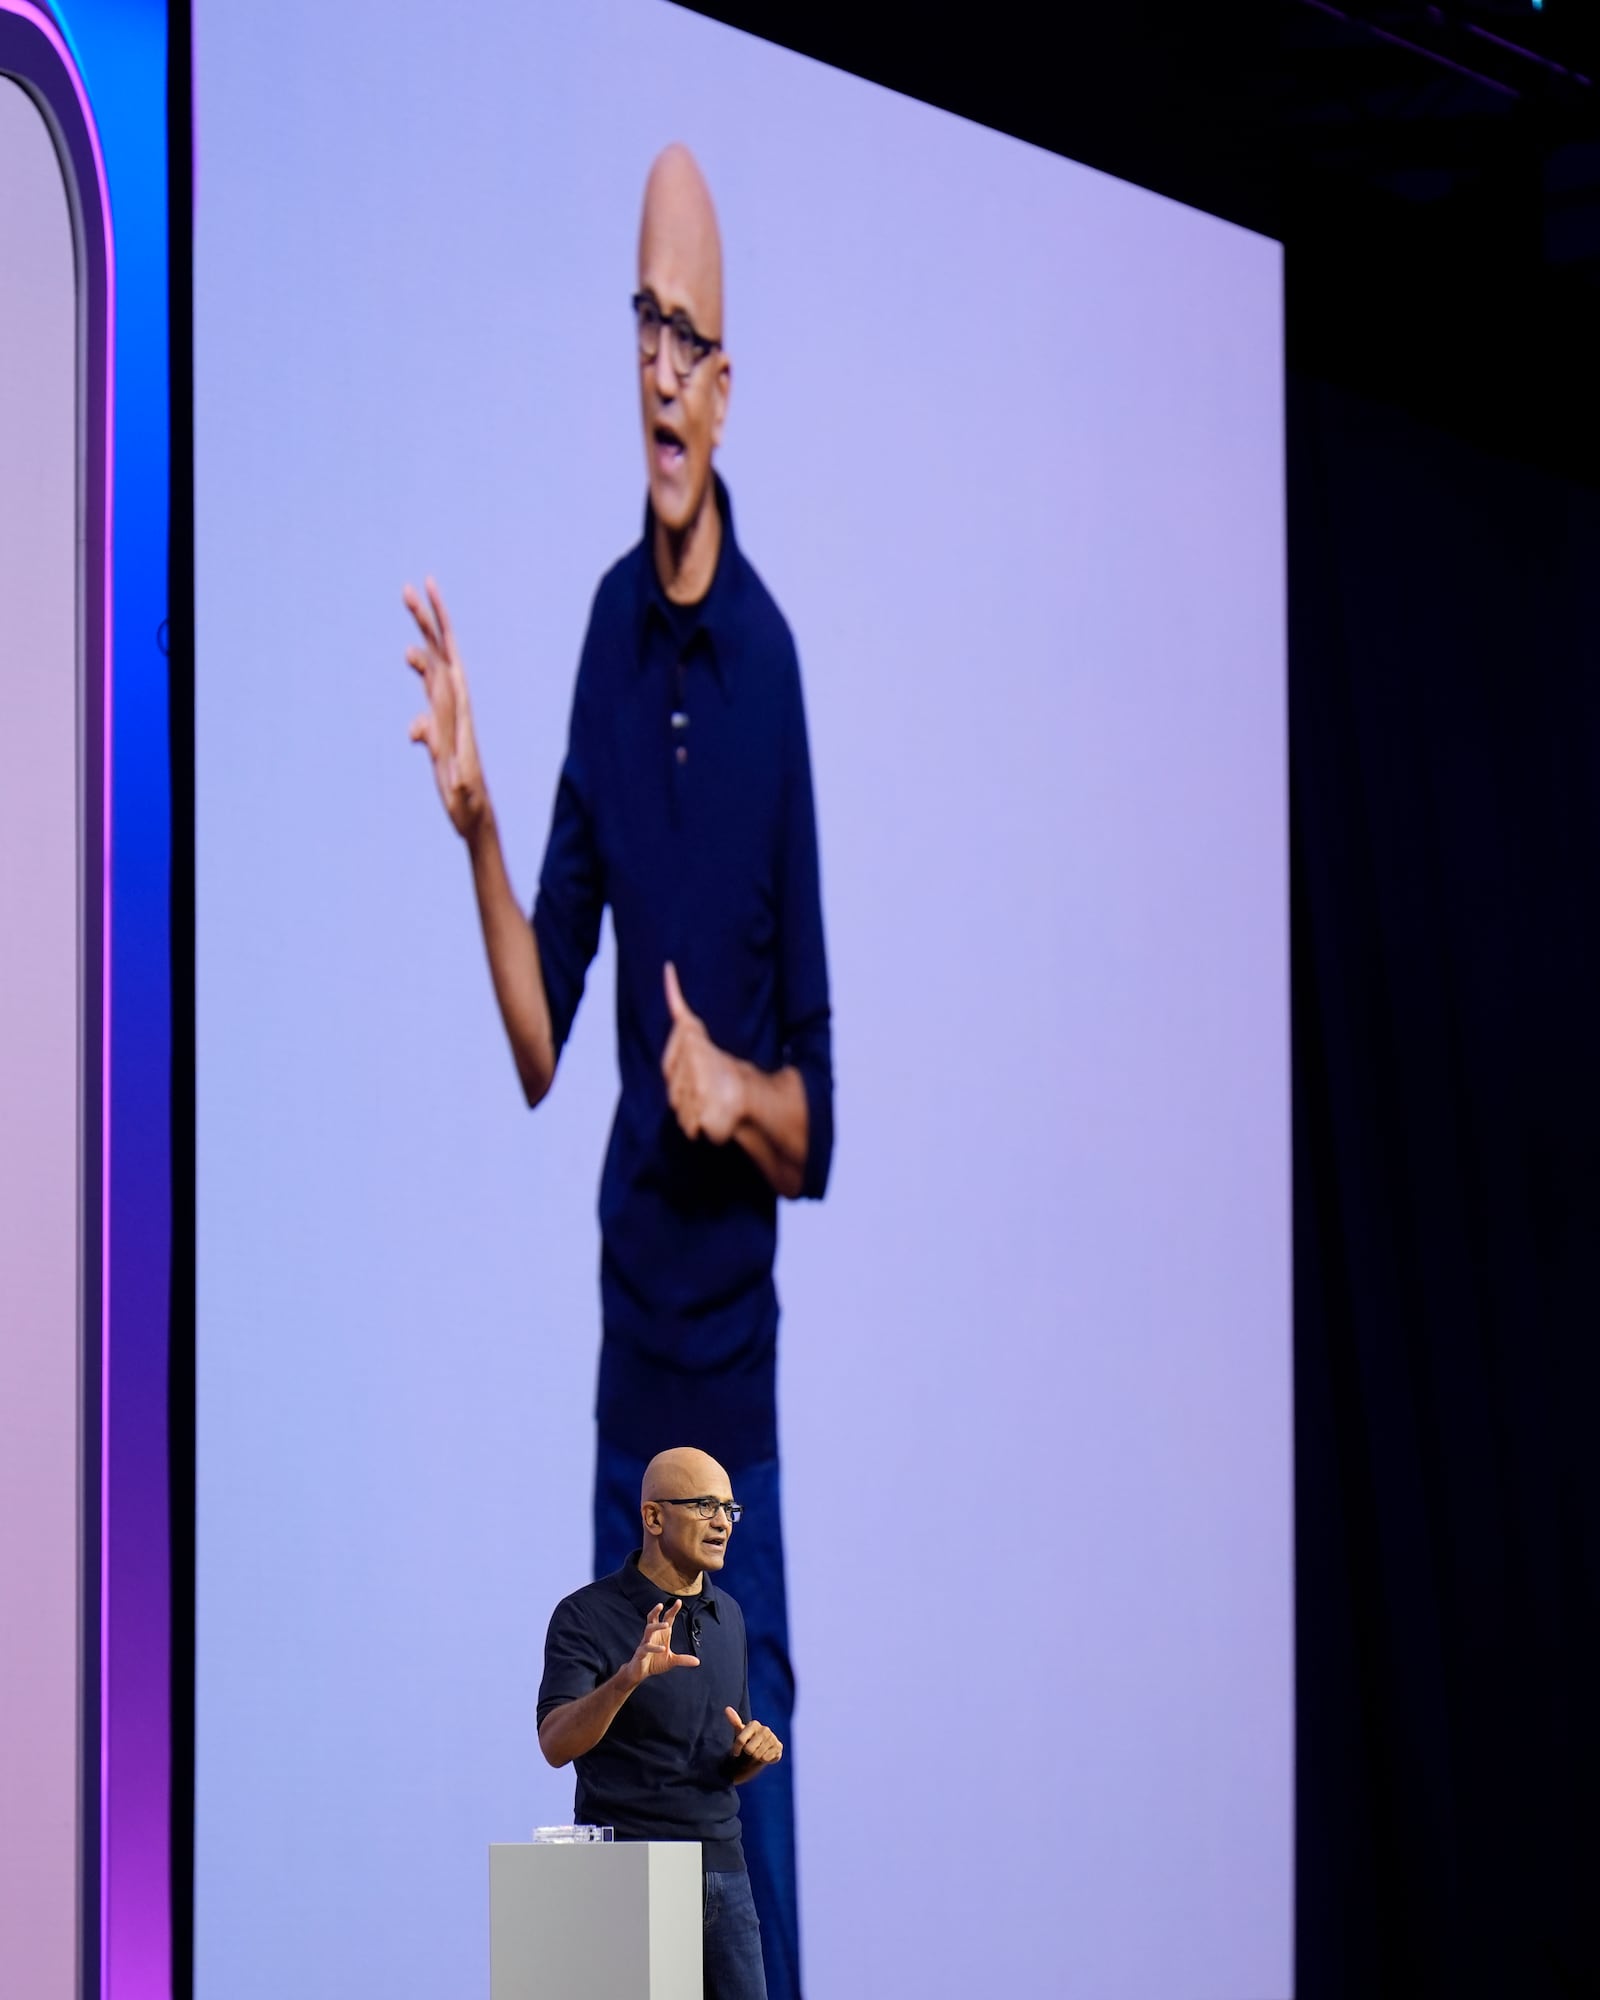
(446,724)
(704,1086)
(654,1654)
(753,1743)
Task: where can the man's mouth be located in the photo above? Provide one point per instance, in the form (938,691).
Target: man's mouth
(669,448)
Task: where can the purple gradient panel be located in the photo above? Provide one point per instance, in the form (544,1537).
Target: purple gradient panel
(39,1165)
(124,51)
(117,58)
(56,60)
(1006,441)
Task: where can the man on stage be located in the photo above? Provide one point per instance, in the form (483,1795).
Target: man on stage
(659,1751)
(685,803)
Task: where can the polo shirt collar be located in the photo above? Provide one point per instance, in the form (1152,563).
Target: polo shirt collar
(638,1588)
(718,608)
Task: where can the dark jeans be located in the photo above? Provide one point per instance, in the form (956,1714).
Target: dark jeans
(754,1576)
(732,1939)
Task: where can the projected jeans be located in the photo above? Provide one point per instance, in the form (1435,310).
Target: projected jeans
(755,1578)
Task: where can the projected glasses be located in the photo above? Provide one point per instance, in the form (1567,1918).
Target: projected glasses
(708,1509)
(686,348)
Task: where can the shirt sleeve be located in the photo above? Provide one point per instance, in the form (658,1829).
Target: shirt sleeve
(571,900)
(805,1019)
(572,1662)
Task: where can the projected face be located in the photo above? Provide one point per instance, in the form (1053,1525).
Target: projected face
(684,374)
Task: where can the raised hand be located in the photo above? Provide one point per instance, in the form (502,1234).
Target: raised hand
(705,1087)
(754,1744)
(445,725)
(654,1654)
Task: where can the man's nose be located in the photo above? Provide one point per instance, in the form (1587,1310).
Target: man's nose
(666,374)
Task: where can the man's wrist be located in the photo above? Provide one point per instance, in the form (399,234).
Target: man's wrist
(480,835)
(746,1083)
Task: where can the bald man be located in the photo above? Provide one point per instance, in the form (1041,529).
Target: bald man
(685,804)
(646,1690)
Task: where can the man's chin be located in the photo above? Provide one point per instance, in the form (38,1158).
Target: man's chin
(714,1558)
(675,504)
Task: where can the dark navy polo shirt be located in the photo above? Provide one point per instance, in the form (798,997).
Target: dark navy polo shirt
(664,1769)
(685,804)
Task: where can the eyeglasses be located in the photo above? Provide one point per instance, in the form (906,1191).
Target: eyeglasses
(708,1509)
(686,348)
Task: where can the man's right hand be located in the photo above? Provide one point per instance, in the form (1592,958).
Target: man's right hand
(654,1654)
(446,723)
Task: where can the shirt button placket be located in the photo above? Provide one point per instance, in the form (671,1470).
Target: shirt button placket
(680,723)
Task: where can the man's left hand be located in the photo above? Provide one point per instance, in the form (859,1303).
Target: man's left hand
(705,1086)
(754,1744)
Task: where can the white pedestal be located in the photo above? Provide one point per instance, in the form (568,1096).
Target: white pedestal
(607,1920)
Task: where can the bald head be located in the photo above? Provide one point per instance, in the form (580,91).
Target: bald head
(683,1474)
(684,381)
(680,246)
(680,1543)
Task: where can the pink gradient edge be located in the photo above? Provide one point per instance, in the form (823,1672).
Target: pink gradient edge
(52,34)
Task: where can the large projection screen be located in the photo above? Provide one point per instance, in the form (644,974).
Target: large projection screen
(1005,442)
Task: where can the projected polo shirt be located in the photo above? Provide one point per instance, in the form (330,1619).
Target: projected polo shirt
(663,1770)
(685,805)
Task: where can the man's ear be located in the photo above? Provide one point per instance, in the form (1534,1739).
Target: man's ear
(650,1514)
(723,391)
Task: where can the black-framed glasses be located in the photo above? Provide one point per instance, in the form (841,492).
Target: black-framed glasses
(708,1509)
(686,346)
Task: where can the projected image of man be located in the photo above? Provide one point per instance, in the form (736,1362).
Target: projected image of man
(685,804)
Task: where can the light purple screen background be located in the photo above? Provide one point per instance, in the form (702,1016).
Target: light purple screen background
(1006,443)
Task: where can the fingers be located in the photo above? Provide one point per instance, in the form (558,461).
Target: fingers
(430,664)
(753,1740)
(425,625)
(688,1031)
(684,1061)
(684,1102)
(446,630)
(678,1068)
(433,622)
(655,1648)
(682,1079)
